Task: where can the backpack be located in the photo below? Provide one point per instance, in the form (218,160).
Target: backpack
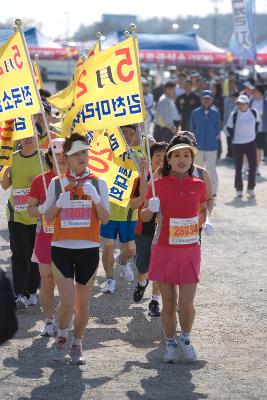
(9,323)
(231,131)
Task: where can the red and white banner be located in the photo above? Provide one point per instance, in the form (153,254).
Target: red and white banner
(183,57)
(46,53)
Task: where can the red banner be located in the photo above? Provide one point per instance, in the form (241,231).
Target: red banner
(67,53)
(182,57)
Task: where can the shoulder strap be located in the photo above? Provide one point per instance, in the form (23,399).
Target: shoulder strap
(200,173)
(234,121)
(254,112)
(95,183)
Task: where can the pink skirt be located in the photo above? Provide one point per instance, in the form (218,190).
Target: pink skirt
(42,248)
(175,265)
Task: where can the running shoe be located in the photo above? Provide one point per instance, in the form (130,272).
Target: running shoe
(127,272)
(188,353)
(171,355)
(76,355)
(21,302)
(239,194)
(59,349)
(153,309)
(32,300)
(110,286)
(251,194)
(50,328)
(139,292)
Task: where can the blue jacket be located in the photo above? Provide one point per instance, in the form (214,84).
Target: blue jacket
(206,128)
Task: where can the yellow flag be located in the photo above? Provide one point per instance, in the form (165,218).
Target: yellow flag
(23,128)
(63,100)
(108,88)
(37,75)
(17,91)
(117,144)
(6,145)
(119,179)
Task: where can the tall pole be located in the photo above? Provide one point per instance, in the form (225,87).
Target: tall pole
(132,29)
(18,26)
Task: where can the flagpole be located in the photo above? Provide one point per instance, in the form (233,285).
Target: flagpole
(132,29)
(39,155)
(98,36)
(18,24)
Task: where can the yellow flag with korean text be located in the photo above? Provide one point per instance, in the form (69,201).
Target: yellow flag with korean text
(17,91)
(63,100)
(108,88)
(37,75)
(119,179)
(23,128)
(6,145)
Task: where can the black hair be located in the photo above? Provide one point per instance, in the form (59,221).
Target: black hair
(169,84)
(47,159)
(132,126)
(177,139)
(159,146)
(73,138)
(46,106)
(44,93)
(260,89)
(190,135)
(235,94)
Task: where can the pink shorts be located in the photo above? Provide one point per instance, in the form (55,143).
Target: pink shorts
(42,248)
(175,265)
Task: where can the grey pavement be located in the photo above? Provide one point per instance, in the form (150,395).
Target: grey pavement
(124,346)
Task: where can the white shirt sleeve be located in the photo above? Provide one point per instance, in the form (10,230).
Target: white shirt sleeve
(51,195)
(230,122)
(103,189)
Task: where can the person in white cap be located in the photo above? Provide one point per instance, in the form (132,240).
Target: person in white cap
(242,126)
(44,233)
(77,214)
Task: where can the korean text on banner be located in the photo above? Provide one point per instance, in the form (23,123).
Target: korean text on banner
(108,88)
(17,91)
(37,75)
(119,179)
(6,145)
(23,128)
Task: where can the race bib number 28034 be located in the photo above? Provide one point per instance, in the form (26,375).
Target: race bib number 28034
(183,231)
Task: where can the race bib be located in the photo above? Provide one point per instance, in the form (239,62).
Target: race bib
(78,215)
(21,198)
(47,228)
(183,231)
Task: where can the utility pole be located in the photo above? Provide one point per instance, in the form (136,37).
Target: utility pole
(215,20)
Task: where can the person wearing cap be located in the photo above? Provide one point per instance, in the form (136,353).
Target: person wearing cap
(186,103)
(77,213)
(180,205)
(21,225)
(205,123)
(43,139)
(44,233)
(258,103)
(122,223)
(242,126)
(166,115)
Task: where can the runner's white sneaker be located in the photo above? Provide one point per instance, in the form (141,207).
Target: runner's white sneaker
(239,194)
(171,355)
(251,194)
(110,286)
(76,355)
(188,352)
(127,272)
(21,302)
(59,349)
(50,328)
(32,300)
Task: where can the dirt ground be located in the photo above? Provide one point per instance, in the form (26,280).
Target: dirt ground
(124,346)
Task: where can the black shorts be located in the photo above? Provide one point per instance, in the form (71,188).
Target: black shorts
(143,249)
(260,140)
(79,263)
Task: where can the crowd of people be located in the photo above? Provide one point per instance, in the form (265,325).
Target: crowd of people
(58,212)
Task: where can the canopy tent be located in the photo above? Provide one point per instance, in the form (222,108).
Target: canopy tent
(178,48)
(39,44)
(262,53)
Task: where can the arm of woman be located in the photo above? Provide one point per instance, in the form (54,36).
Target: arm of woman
(146,214)
(33,207)
(50,202)
(208,184)
(202,213)
(139,194)
(102,208)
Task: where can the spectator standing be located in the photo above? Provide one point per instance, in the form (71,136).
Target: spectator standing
(205,124)
(186,103)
